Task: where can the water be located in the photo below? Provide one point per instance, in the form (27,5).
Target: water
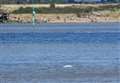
(60,53)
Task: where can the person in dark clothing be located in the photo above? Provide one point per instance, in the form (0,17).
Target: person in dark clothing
(3,17)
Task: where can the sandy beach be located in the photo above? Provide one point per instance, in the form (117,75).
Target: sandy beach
(66,18)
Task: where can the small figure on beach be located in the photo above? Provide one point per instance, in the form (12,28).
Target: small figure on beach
(3,17)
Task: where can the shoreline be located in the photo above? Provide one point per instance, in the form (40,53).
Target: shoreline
(65,13)
(54,23)
(65,18)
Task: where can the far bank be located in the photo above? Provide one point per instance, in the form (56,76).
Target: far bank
(64,13)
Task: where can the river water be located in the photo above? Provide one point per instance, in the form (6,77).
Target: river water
(60,53)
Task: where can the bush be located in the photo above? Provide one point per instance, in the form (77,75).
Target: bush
(52,5)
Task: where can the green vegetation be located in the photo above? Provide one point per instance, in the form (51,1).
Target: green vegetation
(114,1)
(116,10)
(71,9)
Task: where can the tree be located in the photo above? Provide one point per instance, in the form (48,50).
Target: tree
(114,1)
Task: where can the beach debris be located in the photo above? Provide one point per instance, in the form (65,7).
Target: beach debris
(67,66)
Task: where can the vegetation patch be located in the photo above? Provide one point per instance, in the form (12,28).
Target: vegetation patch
(70,9)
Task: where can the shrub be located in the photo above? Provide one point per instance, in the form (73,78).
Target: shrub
(52,5)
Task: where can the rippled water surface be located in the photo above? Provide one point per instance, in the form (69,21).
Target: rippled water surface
(60,53)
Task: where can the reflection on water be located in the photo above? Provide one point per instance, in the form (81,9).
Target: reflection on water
(62,57)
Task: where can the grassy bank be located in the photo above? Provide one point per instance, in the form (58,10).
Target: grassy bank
(65,10)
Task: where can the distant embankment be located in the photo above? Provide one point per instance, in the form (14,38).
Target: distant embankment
(64,13)
(12,7)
